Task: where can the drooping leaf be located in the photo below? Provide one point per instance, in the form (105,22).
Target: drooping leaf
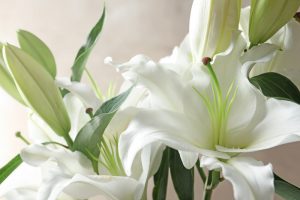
(85,50)
(277,86)
(6,81)
(183,179)
(285,189)
(38,50)
(10,167)
(89,138)
(38,89)
(161,178)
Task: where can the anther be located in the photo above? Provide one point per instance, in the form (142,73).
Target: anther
(206,60)
(89,111)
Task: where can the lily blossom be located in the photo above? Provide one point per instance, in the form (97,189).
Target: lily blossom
(286,61)
(217,113)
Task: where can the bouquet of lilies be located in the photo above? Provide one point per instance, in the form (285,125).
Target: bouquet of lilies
(223,92)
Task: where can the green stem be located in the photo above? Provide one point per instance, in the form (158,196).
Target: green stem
(201,172)
(207,193)
(69,141)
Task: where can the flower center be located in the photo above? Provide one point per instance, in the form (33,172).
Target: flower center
(109,156)
(218,106)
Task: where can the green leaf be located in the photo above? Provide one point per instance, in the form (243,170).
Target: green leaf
(38,50)
(277,86)
(285,189)
(89,138)
(6,81)
(161,178)
(183,179)
(85,50)
(10,167)
(38,89)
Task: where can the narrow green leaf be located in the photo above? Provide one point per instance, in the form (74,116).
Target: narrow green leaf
(277,86)
(285,189)
(183,179)
(161,178)
(38,50)
(38,89)
(10,167)
(85,50)
(89,138)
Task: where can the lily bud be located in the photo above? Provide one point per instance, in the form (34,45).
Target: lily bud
(7,82)
(268,16)
(212,24)
(37,89)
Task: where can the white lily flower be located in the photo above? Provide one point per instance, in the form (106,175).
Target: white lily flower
(217,113)
(286,61)
(70,173)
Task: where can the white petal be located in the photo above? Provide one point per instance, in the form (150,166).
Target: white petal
(39,131)
(21,193)
(68,161)
(211,26)
(84,187)
(280,125)
(77,113)
(287,60)
(244,22)
(188,159)
(84,92)
(170,128)
(251,180)
(24,180)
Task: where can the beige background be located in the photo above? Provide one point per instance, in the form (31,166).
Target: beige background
(151,27)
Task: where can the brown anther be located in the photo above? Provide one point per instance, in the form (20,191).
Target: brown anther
(89,110)
(206,60)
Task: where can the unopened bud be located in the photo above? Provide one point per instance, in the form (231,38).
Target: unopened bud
(268,16)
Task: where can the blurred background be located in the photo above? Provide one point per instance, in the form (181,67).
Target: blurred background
(151,27)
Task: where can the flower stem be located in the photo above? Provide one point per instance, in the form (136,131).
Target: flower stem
(208,189)
(201,172)
(212,181)
(69,141)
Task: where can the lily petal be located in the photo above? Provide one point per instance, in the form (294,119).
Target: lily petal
(211,26)
(279,125)
(250,179)
(84,92)
(175,131)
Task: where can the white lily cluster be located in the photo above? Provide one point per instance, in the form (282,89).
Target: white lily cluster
(199,101)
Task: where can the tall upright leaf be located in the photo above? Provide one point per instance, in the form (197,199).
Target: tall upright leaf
(89,138)
(277,86)
(85,50)
(10,167)
(183,179)
(37,49)
(161,177)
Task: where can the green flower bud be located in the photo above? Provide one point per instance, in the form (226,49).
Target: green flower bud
(37,89)
(7,82)
(268,16)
